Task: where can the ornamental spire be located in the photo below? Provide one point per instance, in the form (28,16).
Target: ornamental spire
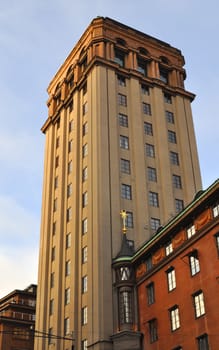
(124,215)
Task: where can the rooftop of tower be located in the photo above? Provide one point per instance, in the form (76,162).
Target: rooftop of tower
(102,29)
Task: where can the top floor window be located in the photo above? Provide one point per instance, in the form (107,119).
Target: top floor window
(164,75)
(142,67)
(169,248)
(119,57)
(190,231)
(216,210)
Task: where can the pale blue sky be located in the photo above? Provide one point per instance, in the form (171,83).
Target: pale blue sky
(35,38)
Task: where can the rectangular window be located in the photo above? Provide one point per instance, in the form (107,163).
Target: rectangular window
(169,248)
(58,142)
(84,284)
(145,90)
(203,342)
(179,205)
(84,199)
(148,129)
(70,81)
(142,67)
(85,150)
(124,142)
(216,210)
(171,279)
(70,146)
(55,204)
(58,123)
(52,279)
(153,334)
(164,75)
(71,106)
(217,242)
(56,182)
(68,240)
(150,150)
(174,158)
(84,255)
(190,231)
(57,162)
(177,183)
(50,335)
(174,318)
(150,293)
(70,167)
(66,326)
(67,296)
(67,268)
(84,315)
(53,254)
(125,166)
(69,214)
(171,136)
(125,307)
(194,263)
(84,174)
(84,88)
(122,100)
(148,262)
(84,226)
(84,344)
(123,120)
(153,199)
(51,307)
(121,80)
(85,108)
(69,190)
(167,98)
(119,58)
(198,299)
(155,224)
(169,117)
(129,219)
(54,228)
(126,191)
(152,174)
(70,125)
(85,129)
(146,108)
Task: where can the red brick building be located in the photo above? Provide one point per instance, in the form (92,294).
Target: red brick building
(17,318)
(174,281)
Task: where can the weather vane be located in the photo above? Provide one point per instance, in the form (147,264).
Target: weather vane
(124,217)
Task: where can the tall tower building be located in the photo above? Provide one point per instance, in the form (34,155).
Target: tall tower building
(119,135)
